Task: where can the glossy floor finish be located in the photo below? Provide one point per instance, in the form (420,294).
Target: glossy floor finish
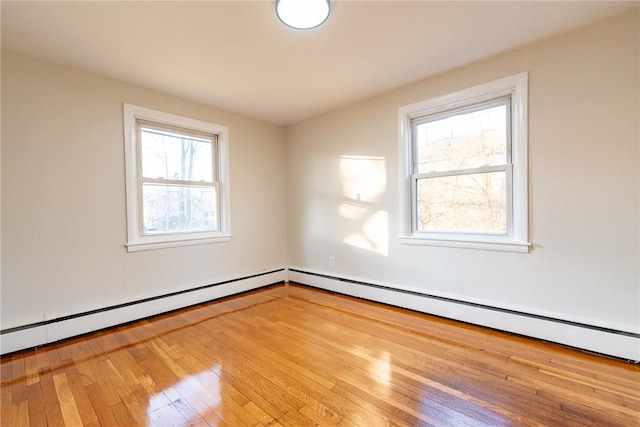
(295,356)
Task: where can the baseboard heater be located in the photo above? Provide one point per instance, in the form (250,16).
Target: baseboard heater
(52,330)
(618,343)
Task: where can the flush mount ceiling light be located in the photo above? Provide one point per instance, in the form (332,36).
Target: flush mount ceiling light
(302,14)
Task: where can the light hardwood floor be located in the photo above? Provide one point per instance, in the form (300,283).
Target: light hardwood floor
(294,356)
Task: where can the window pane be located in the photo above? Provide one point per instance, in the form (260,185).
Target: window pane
(173,208)
(172,156)
(475,202)
(464,140)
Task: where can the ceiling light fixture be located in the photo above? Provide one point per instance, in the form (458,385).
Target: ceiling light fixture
(302,14)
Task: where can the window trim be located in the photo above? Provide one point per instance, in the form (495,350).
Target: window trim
(136,239)
(516,239)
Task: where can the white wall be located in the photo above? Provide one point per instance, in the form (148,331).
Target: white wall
(584,189)
(63,197)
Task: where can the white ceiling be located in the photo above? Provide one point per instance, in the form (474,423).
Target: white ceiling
(236,55)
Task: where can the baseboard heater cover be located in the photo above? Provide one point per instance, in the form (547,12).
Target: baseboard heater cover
(49,331)
(606,341)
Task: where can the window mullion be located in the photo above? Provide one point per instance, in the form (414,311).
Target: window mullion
(471,171)
(509,117)
(509,200)
(140,182)
(414,203)
(414,149)
(214,159)
(178,182)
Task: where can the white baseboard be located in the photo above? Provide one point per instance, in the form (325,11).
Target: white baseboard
(621,343)
(608,340)
(57,329)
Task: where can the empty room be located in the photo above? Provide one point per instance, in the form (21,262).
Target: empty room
(320,212)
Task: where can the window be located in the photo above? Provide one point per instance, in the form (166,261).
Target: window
(464,168)
(176,178)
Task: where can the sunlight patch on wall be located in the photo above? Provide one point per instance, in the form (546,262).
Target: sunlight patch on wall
(364,181)
(364,178)
(373,235)
(351,211)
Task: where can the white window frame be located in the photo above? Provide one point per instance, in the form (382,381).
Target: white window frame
(136,239)
(516,238)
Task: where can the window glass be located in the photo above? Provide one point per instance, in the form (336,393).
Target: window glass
(462,140)
(175,208)
(470,203)
(175,156)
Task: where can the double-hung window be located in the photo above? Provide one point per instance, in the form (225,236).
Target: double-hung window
(177,181)
(464,166)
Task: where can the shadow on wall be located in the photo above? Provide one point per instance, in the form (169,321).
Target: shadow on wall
(362,223)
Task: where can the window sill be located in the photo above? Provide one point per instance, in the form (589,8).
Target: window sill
(488,245)
(147,246)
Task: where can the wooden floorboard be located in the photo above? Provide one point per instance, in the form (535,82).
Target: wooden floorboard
(290,355)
